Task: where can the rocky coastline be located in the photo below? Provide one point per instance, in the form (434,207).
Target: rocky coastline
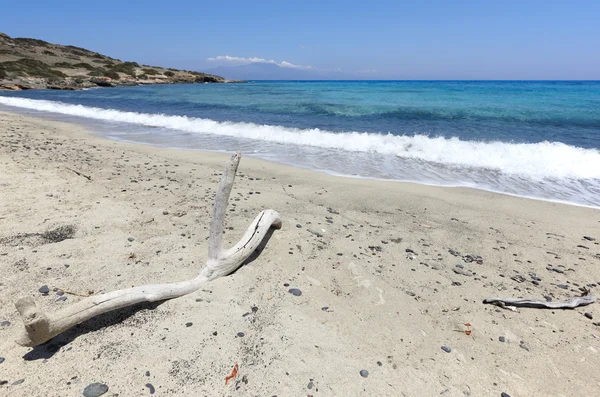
(27,63)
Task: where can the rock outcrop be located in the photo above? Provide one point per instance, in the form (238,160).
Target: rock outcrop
(36,64)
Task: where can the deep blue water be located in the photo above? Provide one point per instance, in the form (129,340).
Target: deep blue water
(532,138)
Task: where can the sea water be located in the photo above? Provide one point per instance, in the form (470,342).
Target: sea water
(538,139)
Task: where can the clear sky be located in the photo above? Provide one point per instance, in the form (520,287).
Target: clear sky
(419,39)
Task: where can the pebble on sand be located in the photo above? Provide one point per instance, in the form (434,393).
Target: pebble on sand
(588,315)
(502,339)
(504,395)
(95,390)
(150,388)
(446,349)
(295,291)
(364,373)
(44,289)
(1,360)
(189,324)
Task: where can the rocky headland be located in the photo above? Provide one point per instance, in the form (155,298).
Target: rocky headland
(27,63)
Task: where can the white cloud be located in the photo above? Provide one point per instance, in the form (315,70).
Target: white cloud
(245,61)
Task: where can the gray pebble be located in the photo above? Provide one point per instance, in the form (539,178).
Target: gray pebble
(150,388)
(241,334)
(299,226)
(189,324)
(310,385)
(165,212)
(61,298)
(4,323)
(95,390)
(325,308)
(295,292)
(130,239)
(446,349)
(502,339)
(504,395)
(44,289)
(364,373)
(1,360)
(18,382)
(588,315)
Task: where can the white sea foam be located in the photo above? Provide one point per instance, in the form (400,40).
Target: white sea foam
(535,161)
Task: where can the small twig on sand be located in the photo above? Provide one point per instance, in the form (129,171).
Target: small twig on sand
(75,293)
(89,178)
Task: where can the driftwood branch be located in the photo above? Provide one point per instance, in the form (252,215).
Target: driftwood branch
(89,178)
(571,303)
(40,326)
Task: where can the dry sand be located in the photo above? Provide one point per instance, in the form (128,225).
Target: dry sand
(374,261)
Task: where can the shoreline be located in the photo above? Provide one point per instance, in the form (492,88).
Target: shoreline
(81,121)
(388,273)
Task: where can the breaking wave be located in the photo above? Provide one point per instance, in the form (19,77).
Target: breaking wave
(535,161)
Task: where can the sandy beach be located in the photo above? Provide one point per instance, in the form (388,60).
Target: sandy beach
(389,272)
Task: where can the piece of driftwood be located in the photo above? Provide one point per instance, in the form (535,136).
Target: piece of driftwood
(40,327)
(571,303)
(89,178)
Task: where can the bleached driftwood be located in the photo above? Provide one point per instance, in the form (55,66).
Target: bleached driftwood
(40,326)
(571,303)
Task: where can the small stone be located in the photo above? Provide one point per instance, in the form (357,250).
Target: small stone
(189,324)
(563,286)
(165,212)
(502,339)
(325,308)
(364,373)
(588,315)
(310,385)
(446,349)
(95,390)
(61,298)
(4,323)
(147,373)
(504,395)
(241,334)
(588,238)
(44,289)
(295,291)
(150,388)
(130,239)
(18,382)
(215,333)
(379,363)
(299,226)
(1,360)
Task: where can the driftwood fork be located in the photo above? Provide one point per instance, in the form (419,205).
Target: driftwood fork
(40,327)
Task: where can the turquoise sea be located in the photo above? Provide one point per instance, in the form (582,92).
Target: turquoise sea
(537,139)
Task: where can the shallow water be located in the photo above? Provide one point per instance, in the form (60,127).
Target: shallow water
(533,139)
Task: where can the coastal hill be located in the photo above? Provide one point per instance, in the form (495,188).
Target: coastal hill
(31,63)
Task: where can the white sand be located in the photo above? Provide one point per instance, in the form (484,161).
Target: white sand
(385,304)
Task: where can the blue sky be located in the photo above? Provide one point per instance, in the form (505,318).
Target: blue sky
(527,39)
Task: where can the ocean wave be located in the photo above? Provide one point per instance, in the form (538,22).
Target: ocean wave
(537,161)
